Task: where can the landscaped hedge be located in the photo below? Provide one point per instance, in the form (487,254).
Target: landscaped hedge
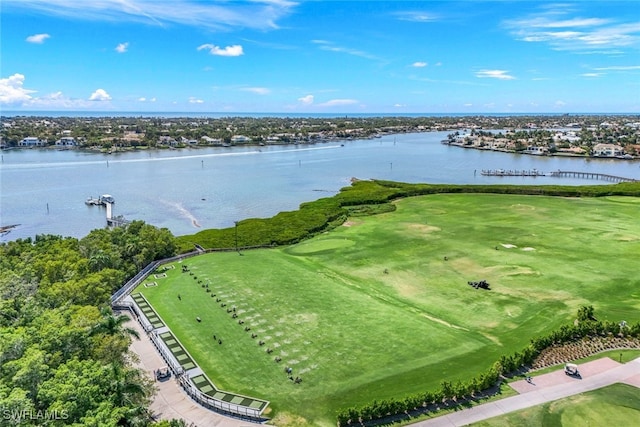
(486,380)
(320,215)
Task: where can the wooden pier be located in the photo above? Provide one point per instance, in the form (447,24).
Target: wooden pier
(502,172)
(591,175)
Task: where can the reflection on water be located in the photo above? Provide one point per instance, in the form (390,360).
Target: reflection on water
(193,189)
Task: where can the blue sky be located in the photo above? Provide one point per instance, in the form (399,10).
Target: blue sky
(284,56)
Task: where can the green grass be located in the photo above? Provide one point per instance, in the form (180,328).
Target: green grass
(615,405)
(372,310)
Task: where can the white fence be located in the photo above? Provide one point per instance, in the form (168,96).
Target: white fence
(215,404)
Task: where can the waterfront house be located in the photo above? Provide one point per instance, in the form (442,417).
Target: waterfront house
(607,150)
(66,141)
(240,138)
(211,141)
(536,151)
(32,141)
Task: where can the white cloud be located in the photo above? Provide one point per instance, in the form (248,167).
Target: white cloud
(468,105)
(306,100)
(591,74)
(257,90)
(494,74)
(399,105)
(194,100)
(619,68)
(574,33)
(100,95)
(235,50)
(122,47)
(142,99)
(560,103)
(38,38)
(338,102)
(153,99)
(416,16)
(419,64)
(220,16)
(12,92)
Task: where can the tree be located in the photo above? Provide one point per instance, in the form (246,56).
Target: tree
(586,313)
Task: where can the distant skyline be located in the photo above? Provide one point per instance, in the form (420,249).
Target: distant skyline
(296,57)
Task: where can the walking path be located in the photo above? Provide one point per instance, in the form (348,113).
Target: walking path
(545,388)
(170,401)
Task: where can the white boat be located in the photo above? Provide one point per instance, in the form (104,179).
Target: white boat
(100,201)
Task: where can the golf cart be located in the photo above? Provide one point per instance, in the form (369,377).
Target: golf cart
(571,369)
(163,374)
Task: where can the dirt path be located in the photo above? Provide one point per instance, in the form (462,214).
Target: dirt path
(545,388)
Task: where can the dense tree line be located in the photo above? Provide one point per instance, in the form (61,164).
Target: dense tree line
(362,197)
(63,353)
(450,393)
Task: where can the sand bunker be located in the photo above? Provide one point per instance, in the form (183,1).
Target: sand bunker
(508,245)
(528,249)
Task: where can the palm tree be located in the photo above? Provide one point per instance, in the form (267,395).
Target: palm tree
(112,324)
(99,260)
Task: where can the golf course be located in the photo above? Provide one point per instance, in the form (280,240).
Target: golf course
(380,307)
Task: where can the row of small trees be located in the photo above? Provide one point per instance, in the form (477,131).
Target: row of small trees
(452,392)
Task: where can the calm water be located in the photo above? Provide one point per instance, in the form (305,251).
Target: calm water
(193,189)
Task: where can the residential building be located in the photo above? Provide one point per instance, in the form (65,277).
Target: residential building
(32,141)
(607,150)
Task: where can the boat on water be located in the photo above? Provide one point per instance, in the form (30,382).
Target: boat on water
(99,201)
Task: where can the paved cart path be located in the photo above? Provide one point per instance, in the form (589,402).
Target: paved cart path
(545,388)
(170,401)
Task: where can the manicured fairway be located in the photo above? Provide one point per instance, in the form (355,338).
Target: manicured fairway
(374,310)
(615,405)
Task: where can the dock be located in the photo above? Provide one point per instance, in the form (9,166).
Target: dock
(591,175)
(114,221)
(502,172)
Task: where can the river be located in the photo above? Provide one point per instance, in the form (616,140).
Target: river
(188,190)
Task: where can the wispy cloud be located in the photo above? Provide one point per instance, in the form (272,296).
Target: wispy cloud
(194,100)
(331,47)
(419,64)
(619,68)
(257,14)
(100,95)
(235,50)
(494,74)
(338,102)
(563,31)
(122,47)
(416,16)
(38,38)
(257,90)
(306,100)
